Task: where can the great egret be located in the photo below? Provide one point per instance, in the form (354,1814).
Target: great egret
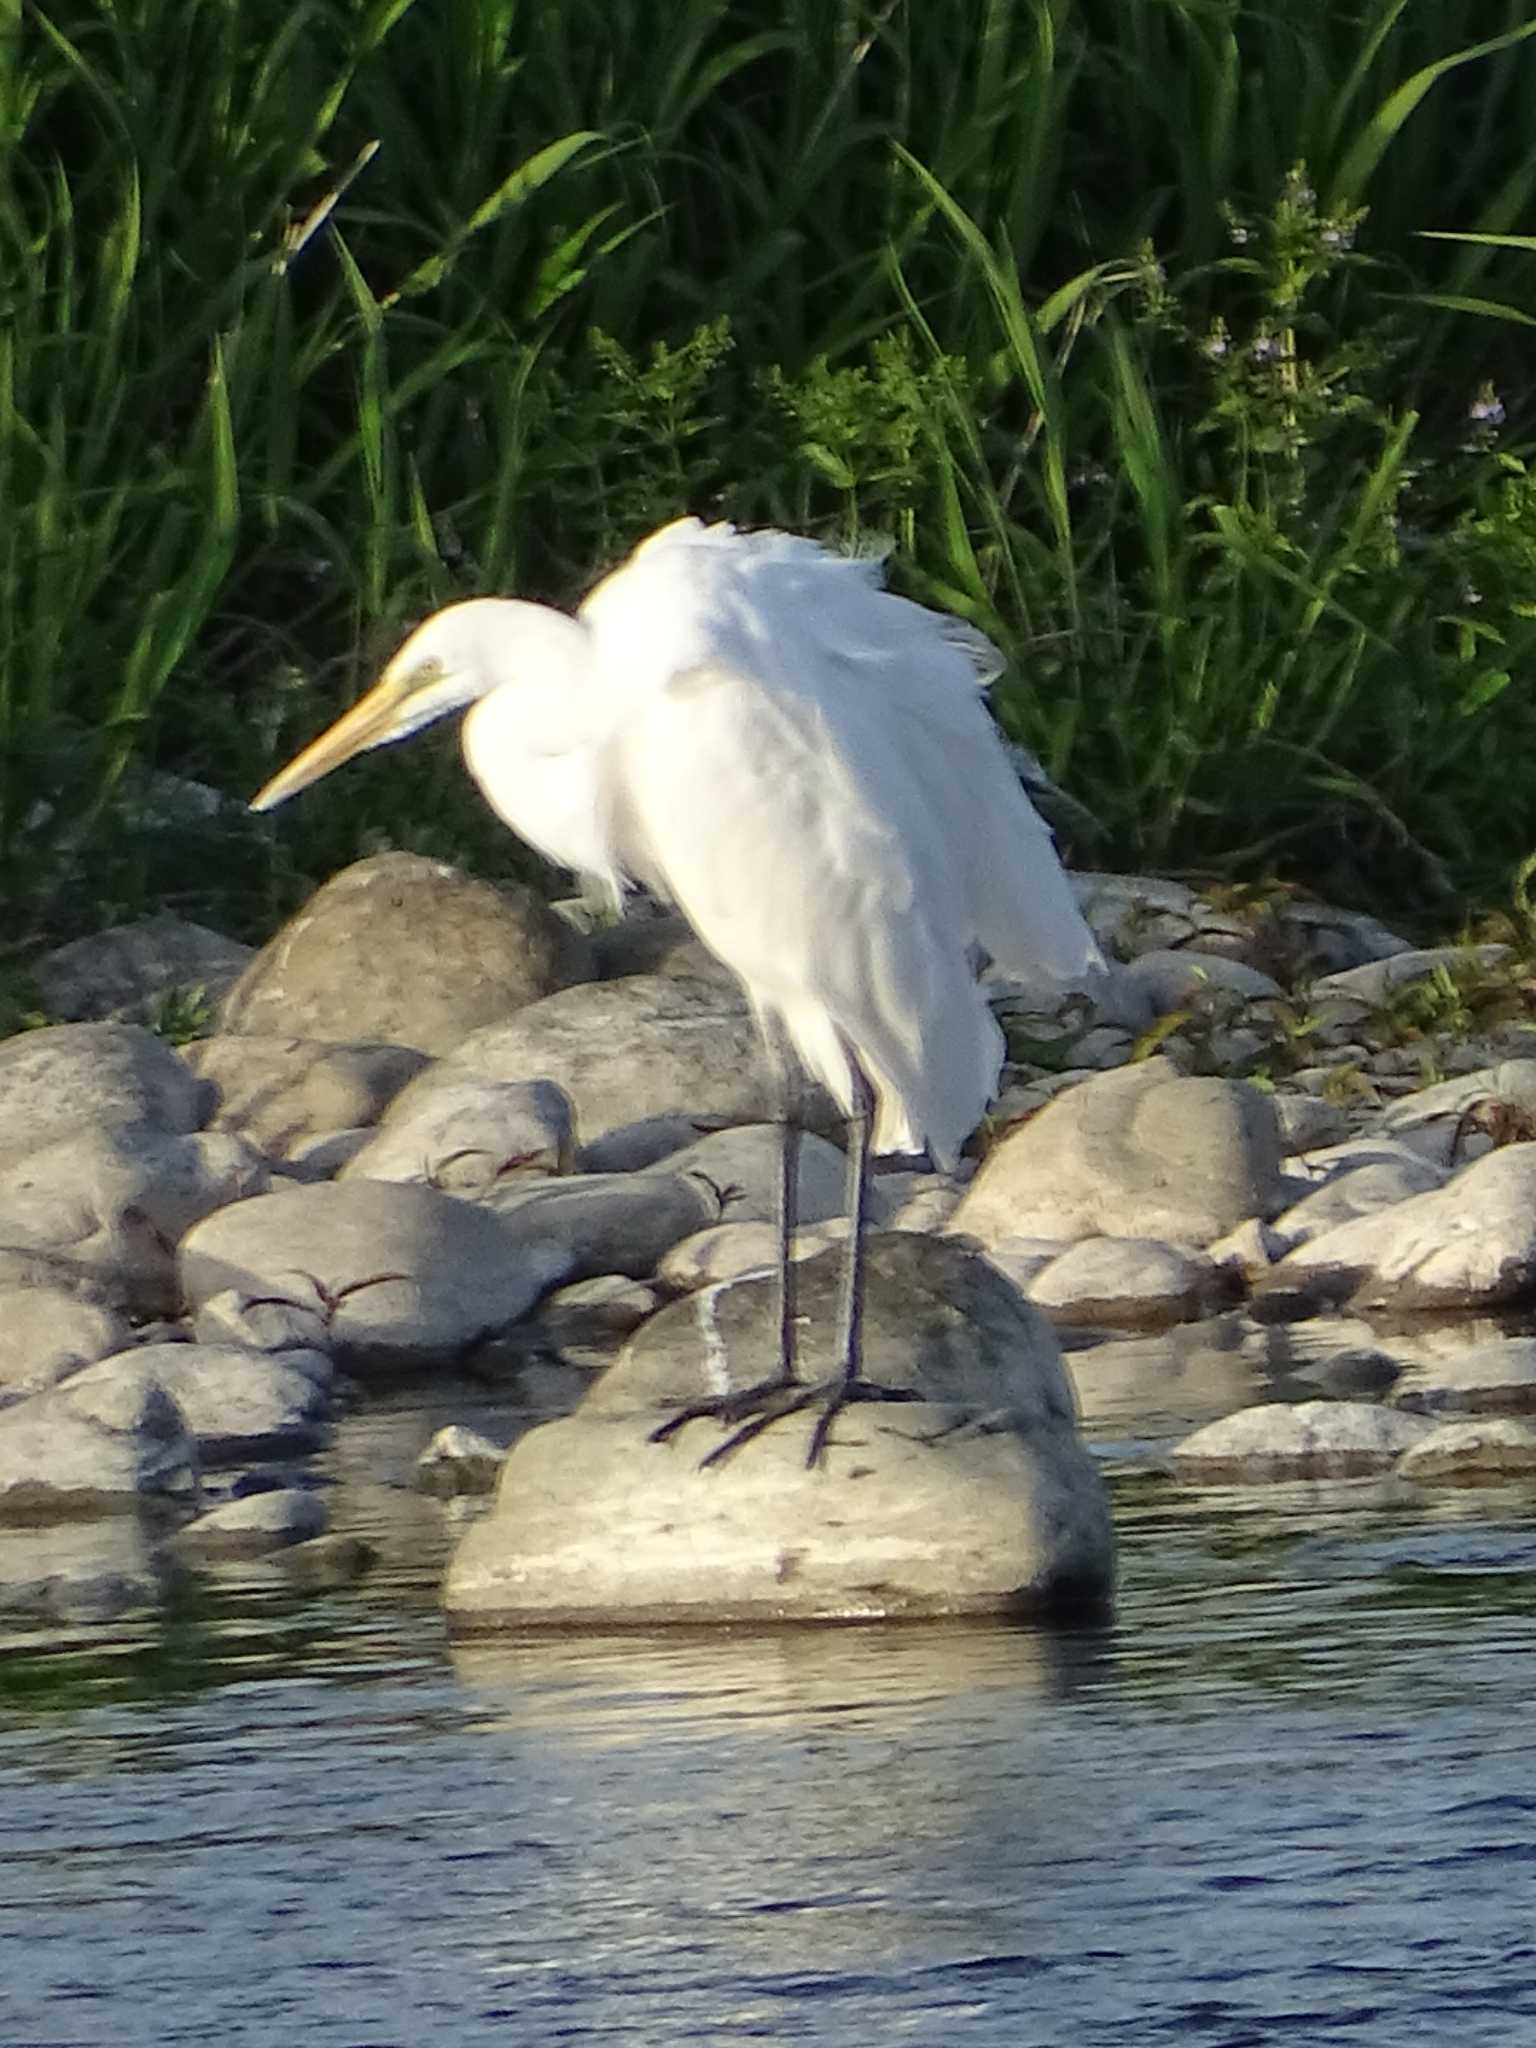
(753,727)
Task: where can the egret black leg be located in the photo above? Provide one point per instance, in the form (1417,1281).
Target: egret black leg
(850,1321)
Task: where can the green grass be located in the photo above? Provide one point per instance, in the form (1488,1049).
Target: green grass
(316,314)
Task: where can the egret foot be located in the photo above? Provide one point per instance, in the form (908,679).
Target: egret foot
(758,1407)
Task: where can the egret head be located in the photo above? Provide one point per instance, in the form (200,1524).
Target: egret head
(441,668)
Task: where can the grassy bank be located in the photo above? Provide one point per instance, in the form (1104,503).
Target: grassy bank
(1134,324)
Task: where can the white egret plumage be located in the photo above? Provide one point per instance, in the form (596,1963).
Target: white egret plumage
(802,762)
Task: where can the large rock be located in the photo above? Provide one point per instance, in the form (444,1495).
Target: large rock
(1128,1283)
(236,1403)
(120,1198)
(46,1332)
(68,1078)
(741,1166)
(130,969)
(409,951)
(1490,1451)
(281,1092)
(622,1050)
(87,1571)
(1140,1152)
(1307,1440)
(253,1525)
(94,1445)
(1471,1243)
(472,1136)
(974,1495)
(408,1276)
(609,1222)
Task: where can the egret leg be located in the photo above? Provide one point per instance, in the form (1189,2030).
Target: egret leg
(757,1407)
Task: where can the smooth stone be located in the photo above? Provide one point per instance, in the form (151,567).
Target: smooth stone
(128,970)
(1127,1283)
(79,1572)
(1442,1121)
(1332,1162)
(1498,1373)
(47,1332)
(323,1564)
(459,1460)
(607,1222)
(664,944)
(65,1079)
(236,1403)
(1308,1121)
(1492,1449)
(410,1276)
(300,1328)
(93,1446)
(593,1525)
(1364,1192)
(1170,978)
(630,1148)
(623,1050)
(1141,1152)
(324,1154)
(1300,1440)
(581,1326)
(473,1137)
(281,1091)
(1470,1243)
(254,1525)
(120,1198)
(1249,1250)
(939,1321)
(408,951)
(724,1251)
(741,1168)
(1370,985)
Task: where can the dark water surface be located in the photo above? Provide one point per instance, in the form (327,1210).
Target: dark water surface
(1290,1795)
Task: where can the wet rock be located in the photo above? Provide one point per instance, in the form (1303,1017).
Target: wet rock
(409,1277)
(253,1526)
(459,1460)
(119,1199)
(279,1091)
(1497,1373)
(1304,1440)
(236,1403)
(1487,1452)
(974,1497)
(94,1446)
(1141,1152)
(48,1332)
(129,970)
(623,1050)
(1249,1250)
(1128,1283)
(581,1326)
(324,1563)
(1470,1243)
(471,1137)
(607,1222)
(79,1572)
(66,1079)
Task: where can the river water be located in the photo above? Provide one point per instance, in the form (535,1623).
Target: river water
(1287,1795)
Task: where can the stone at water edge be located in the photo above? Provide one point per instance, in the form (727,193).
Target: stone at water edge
(1002,1512)
(46,1332)
(236,1403)
(254,1525)
(1128,1283)
(91,1447)
(1301,1440)
(1490,1451)
(459,1460)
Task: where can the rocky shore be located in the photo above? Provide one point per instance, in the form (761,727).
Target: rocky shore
(1278,1179)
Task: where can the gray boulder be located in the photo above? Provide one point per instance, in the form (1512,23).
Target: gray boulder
(972,1496)
(1490,1451)
(409,1277)
(1494,1373)
(409,951)
(79,1572)
(281,1093)
(459,1461)
(129,970)
(236,1403)
(253,1526)
(1128,1283)
(94,1446)
(469,1137)
(622,1050)
(1304,1440)
(607,1222)
(48,1332)
(70,1078)
(1140,1152)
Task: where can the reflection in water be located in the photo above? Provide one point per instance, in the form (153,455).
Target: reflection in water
(1287,1795)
